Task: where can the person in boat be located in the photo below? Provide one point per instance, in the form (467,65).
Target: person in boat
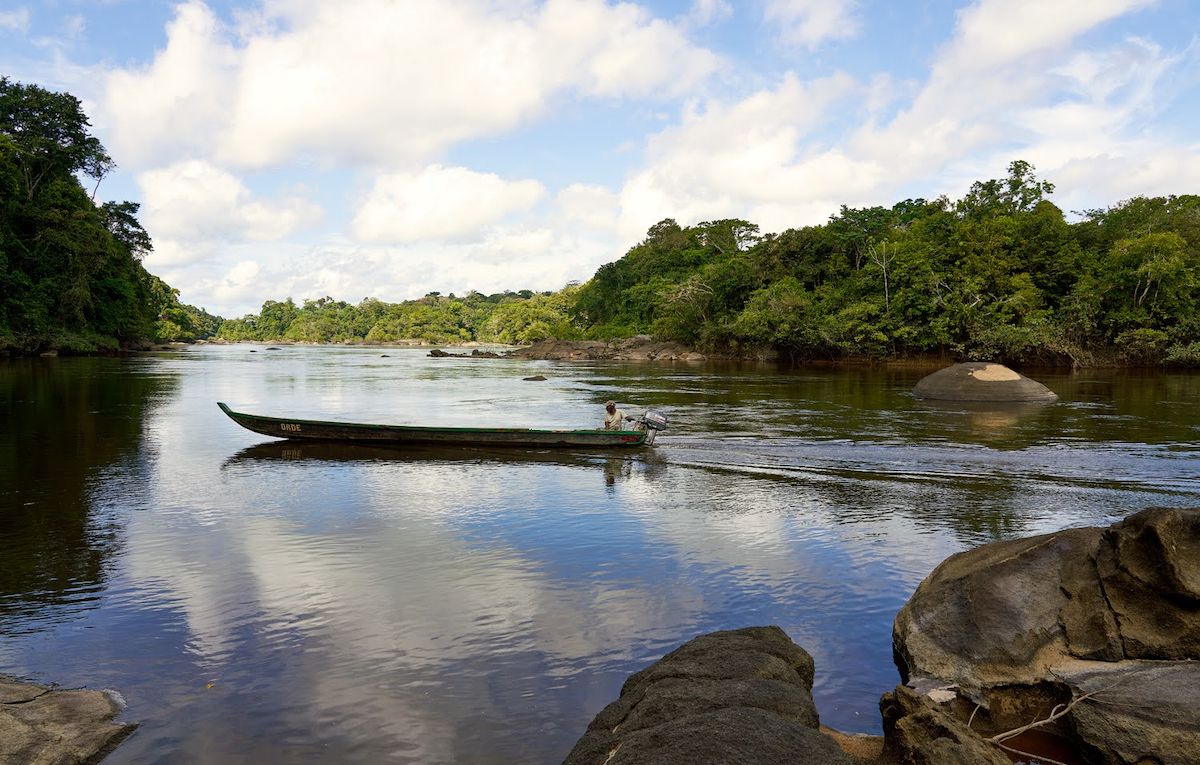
(614,418)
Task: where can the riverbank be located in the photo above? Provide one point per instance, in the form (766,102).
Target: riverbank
(635,348)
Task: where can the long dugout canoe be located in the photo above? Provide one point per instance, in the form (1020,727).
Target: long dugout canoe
(318,430)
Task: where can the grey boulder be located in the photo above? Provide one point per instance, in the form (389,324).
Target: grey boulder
(981,381)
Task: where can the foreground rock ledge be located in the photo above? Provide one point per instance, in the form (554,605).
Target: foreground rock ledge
(744,697)
(1106,618)
(51,727)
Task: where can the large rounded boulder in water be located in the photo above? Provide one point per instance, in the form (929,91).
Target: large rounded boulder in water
(981,381)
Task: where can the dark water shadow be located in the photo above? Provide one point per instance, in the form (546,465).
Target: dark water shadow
(330,451)
(72,433)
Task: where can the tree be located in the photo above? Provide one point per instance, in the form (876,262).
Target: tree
(729,236)
(48,134)
(1020,192)
(120,221)
(879,256)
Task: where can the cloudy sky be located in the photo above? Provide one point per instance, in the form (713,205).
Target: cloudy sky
(389,148)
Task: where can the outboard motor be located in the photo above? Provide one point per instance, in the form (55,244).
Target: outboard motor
(652,422)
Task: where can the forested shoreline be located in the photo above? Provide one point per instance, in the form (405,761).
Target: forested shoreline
(997,275)
(71,276)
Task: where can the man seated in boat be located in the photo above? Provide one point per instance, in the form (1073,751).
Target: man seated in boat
(614,418)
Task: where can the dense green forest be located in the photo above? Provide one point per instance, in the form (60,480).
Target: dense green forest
(999,274)
(510,317)
(71,276)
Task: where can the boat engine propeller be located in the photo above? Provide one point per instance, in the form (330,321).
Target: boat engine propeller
(651,422)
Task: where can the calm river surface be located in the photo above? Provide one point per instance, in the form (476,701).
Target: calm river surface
(260,602)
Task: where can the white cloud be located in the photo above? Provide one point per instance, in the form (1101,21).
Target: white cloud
(239,284)
(17,20)
(504,258)
(810,23)
(196,202)
(439,203)
(1148,172)
(1008,85)
(1004,62)
(1000,32)
(753,159)
(704,13)
(405,100)
(368,82)
(588,206)
(177,104)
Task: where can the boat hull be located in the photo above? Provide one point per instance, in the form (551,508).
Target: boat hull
(317,430)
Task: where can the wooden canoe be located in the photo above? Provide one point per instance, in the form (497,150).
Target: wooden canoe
(317,430)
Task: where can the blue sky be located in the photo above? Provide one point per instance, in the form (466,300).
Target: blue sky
(370,148)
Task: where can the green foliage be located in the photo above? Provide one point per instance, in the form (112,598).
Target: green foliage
(509,318)
(998,275)
(47,135)
(70,272)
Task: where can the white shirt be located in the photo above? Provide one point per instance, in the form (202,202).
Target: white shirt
(614,420)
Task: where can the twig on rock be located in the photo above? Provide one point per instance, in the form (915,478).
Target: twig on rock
(1055,713)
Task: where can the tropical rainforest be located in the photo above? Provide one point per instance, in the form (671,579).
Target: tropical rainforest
(1000,274)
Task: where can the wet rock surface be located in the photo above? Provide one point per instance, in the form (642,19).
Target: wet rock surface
(981,381)
(56,727)
(1106,620)
(745,696)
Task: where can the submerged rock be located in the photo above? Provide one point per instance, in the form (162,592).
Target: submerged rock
(981,381)
(437,353)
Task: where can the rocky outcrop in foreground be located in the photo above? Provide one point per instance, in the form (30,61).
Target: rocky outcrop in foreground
(1105,622)
(1089,635)
(636,348)
(743,696)
(51,727)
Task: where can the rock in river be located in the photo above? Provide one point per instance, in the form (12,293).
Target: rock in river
(981,381)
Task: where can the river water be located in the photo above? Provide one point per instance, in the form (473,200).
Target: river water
(264,602)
